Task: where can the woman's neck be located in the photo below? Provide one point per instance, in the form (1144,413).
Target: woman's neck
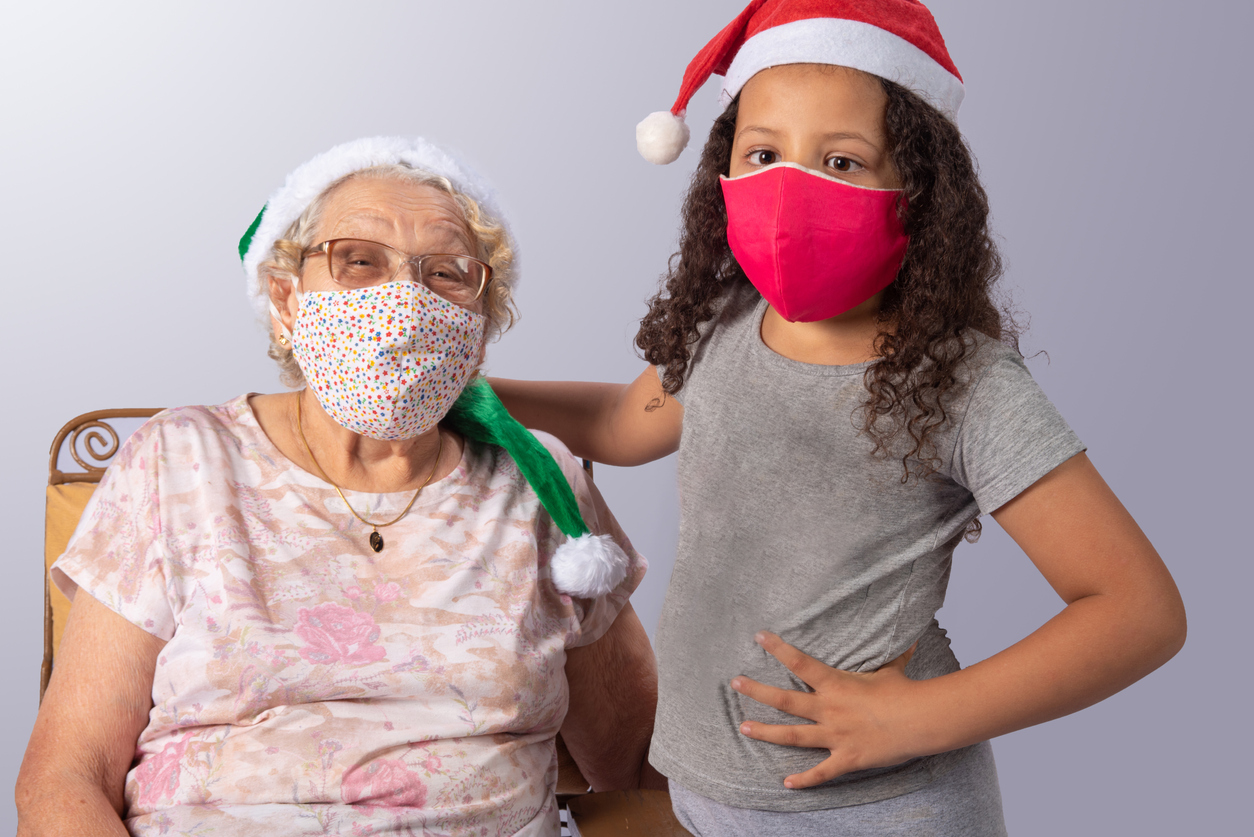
(350,460)
(842,340)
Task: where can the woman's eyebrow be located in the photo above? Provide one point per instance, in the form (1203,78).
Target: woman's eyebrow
(365,217)
(445,228)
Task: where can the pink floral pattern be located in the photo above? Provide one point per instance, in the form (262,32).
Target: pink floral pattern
(158,777)
(311,686)
(386,361)
(384,782)
(338,634)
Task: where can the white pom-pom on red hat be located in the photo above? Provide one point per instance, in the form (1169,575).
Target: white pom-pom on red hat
(661,137)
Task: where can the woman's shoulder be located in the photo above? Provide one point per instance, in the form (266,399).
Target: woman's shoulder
(193,426)
(570,464)
(490,463)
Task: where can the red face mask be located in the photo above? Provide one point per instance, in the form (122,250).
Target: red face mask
(814,246)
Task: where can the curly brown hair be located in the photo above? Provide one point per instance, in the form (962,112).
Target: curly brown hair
(943,292)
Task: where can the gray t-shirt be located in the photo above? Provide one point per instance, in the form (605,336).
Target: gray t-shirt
(788,523)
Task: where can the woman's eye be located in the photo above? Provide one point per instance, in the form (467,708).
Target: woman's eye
(844,164)
(763,158)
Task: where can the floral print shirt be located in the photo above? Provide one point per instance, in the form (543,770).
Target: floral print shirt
(311,686)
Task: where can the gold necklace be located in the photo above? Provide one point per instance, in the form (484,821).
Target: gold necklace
(376,540)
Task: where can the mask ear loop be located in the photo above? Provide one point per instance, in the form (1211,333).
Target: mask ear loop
(274,311)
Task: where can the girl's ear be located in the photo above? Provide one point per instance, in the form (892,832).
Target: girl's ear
(284,303)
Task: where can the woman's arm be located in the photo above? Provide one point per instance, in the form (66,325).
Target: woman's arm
(96,705)
(1123,619)
(618,424)
(613,696)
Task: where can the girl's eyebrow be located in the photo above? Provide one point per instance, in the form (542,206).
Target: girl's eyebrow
(756,129)
(834,135)
(850,135)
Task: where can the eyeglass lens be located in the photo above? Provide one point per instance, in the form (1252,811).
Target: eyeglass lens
(359,264)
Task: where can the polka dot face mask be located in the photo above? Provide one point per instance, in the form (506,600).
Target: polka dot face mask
(386,361)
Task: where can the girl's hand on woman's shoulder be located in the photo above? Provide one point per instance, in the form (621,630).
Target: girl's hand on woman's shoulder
(864,720)
(616,424)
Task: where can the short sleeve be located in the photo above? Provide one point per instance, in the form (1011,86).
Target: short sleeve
(597,615)
(1011,435)
(117,554)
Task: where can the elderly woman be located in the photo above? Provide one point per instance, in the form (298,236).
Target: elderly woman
(335,610)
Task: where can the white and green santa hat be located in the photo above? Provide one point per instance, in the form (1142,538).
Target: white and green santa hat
(586,565)
(310,179)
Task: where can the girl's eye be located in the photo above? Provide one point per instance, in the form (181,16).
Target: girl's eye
(844,164)
(763,158)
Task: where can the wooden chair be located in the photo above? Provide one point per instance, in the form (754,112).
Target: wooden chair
(91,441)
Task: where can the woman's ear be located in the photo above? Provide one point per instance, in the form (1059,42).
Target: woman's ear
(283,305)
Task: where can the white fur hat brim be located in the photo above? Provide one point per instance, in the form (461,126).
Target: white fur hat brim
(309,181)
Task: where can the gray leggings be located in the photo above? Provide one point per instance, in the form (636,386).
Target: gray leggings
(963,802)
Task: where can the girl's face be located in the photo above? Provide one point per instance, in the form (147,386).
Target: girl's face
(826,118)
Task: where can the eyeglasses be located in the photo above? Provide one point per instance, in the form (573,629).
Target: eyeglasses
(356,263)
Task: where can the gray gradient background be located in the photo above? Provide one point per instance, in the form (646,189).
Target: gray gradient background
(138,140)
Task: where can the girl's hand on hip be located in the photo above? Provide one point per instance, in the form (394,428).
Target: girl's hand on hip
(860,718)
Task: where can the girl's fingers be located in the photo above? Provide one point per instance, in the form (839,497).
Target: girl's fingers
(799,735)
(822,772)
(810,670)
(790,735)
(801,704)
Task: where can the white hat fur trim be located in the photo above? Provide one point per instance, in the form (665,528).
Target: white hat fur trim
(845,43)
(309,180)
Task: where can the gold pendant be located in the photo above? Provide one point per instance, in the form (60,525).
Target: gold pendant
(376,541)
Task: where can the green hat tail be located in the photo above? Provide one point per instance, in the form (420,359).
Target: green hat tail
(586,565)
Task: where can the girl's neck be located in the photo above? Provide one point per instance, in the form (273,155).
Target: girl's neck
(840,341)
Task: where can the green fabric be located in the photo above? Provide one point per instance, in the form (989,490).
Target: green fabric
(247,240)
(478,414)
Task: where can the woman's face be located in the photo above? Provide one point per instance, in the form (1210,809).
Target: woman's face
(412,218)
(830,119)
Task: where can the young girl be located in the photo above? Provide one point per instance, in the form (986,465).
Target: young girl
(846,399)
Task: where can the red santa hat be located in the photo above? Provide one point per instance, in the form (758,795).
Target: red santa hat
(893,39)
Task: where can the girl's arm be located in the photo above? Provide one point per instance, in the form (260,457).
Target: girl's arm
(1123,619)
(618,424)
(97,704)
(613,697)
